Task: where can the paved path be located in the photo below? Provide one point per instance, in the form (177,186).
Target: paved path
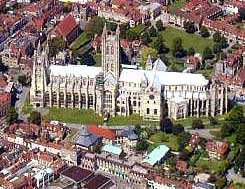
(232,176)
(21,102)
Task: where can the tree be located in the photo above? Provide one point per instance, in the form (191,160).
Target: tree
(217,37)
(223,42)
(177,47)
(23,80)
(95,26)
(191,51)
(240,134)
(197,124)
(183,139)
(159,25)
(236,114)
(213,120)
(217,48)
(152,31)
(207,53)
(189,27)
(241,12)
(56,44)
(12,116)
(142,145)
(67,6)
(131,35)
(146,52)
(35,118)
(226,130)
(145,38)
(166,125)
(204,31)
(221,183)
(177,129)
(240,162)
(158,44)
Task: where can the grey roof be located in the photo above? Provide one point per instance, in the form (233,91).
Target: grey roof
(205,185)
(86,139)
(129,132)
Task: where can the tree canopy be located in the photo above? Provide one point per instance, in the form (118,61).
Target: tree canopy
(12,116)
(35,118)
(95,26)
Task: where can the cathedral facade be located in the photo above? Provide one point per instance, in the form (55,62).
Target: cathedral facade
(118,89)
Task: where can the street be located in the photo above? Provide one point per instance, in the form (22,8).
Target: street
(21,102)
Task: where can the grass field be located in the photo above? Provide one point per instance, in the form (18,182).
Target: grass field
(169,140)
(74,116)
(90,117)
(130,120)
(175,5)
(212,166)
(188,40)
(80,41)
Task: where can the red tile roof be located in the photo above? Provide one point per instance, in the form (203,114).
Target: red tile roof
(218,147)
(105,133)
(66,26)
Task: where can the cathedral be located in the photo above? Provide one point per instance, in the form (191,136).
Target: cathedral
(119,89)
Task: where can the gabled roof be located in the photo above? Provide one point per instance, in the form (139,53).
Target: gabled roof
(102,132)
(66,26)
(159,65)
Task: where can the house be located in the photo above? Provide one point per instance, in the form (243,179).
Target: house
(86,140)
(217,150)
(194,140)
(193,63)
(157,156)
(157,182)
(68,29)
(182,165)
(124,136)
(112,149)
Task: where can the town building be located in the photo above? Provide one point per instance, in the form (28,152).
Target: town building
(68,29)
(114,90)
(217,150)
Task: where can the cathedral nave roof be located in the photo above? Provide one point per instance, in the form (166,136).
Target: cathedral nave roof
(75,70)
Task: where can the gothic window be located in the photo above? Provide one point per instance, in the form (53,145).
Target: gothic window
(148,111)
(112,49)
(107,50)
(83,100)
(155,111)
(112,66)
(61,98)
(90,100)
(68,98)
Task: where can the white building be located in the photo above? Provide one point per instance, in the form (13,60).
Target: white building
(111,89)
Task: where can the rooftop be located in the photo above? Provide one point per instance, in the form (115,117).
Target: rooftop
(76,174)
(156,155)
(117,150)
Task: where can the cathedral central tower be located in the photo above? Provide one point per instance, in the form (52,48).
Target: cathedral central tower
(111,52)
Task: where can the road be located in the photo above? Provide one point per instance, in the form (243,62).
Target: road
(21,102)
(204,133)
(232,176)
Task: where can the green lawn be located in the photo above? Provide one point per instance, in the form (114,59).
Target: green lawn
(138,29)
(188,121)
(134,119)
(97,59)
(80,41)
(74,116)
(90,117)
(207,72)
(175,5)
(211,166)
(27,108)
(189,40)
(169,140)
(238,185)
